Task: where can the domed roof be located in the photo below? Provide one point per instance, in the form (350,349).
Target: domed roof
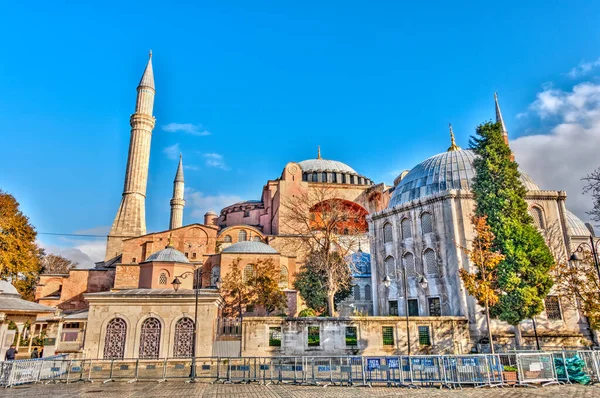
(210,213)
(8,288)
(311,165)
(449,170)
(576,227)
(250,247)
(168,254)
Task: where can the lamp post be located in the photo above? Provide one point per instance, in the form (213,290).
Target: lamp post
(593,246)
(197,286)
(387,282)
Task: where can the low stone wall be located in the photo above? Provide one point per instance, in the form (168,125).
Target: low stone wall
(447,335)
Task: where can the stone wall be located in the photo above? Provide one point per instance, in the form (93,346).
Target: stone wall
(447,335)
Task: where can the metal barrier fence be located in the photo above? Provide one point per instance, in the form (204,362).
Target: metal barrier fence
(417,371)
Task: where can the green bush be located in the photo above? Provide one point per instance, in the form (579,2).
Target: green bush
(307,312)
(510,368)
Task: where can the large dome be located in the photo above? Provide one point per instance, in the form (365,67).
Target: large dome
(331,171)
(250,247)
(576,227)
(448,170)
(168,254)
(311,165)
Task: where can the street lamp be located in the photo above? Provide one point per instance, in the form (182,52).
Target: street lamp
(593,246)
(197,286)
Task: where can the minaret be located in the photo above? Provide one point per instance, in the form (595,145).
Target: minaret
(130,220)
(177,203)
(500,120)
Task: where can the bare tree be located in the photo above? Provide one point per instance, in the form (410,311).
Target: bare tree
(592,186)
(55,264)
(325,228)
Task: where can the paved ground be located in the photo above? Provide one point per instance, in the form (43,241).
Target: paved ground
(180,389)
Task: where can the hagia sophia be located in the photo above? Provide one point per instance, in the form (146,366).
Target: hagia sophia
(127,307)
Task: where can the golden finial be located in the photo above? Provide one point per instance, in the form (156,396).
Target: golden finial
(319,152)
(170,241)
(453,146)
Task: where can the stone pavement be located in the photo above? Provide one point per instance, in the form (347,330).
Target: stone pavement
(180,389)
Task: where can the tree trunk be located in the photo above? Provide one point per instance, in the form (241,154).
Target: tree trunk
(489,326)
(330,304)
(518,337)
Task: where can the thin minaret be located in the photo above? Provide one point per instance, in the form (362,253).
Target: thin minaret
(177,203)
(500,120)
(131,217)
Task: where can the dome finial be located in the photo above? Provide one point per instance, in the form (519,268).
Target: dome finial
(170,241)
(453,146)
(319,152)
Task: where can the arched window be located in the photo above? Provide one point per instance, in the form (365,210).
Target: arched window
(283,277)
(426,223)
(184,338)
(257,239)
(162,279)
(247,273)
(368,292)
(114,341)
(431,267)
(356,289)
(390,267)
(406,228)
(227,239)
(150,339)
(242,236)
(538,217)
(409,265)
(387,233)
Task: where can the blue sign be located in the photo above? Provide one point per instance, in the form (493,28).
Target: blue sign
(323,368)
(372,364)
(393,363)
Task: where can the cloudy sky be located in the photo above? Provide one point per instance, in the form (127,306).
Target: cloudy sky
(245,87)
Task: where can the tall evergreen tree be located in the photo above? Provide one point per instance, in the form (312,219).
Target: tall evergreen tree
(523,275)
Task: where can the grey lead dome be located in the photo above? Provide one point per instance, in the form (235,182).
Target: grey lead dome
(311,165)
(168,254)
(250,247)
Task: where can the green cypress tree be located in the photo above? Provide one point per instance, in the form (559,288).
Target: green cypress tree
(523,275)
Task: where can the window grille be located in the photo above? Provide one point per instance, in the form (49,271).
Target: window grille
(356,289)
(552,308)
(409,265)
(431,267)
(424,336)
(390,268)
(435,308)
(406,228)
(393,304)
(242,236)
(368,292)
(388,335)
(247,273)
(162,279)
(314,336)
(426,223)
(227,239)
(413,307)
(538,217)
(283,277)
(150,339)
(184,338)
(114,341)
(275,337)
(351,335)
(387,233)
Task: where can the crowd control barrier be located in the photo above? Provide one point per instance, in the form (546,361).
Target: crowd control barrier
(415,371)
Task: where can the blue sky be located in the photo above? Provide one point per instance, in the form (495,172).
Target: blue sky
(374,84)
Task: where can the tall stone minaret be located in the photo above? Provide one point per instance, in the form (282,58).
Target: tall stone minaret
(500,120)
(177,203)
(131,216)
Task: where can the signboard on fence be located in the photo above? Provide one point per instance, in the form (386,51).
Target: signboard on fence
(372,364)
(393,363)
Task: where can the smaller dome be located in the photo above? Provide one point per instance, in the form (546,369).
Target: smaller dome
(210,213)
(250,247)
(8,288)
(576,227)
(168,254)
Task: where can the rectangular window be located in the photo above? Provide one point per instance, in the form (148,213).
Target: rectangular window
(314,336)
(351,335)
(552,308)
(387,333)
(413,307)
(424,337)
(275,337)
(435,308)
(393,307)
(134,260)
(193,255)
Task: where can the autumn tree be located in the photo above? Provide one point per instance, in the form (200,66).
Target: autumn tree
(260,287)
(56,264)
(20,256)
(523,274)
(326,230)
(592,186)
(482,282)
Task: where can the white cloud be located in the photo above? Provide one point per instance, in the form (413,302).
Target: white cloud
(100,230)
(215,160)
(186,128)
(84,252)
(172,151)
(559,159)
(583,68)
(191,167)
(199,203)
